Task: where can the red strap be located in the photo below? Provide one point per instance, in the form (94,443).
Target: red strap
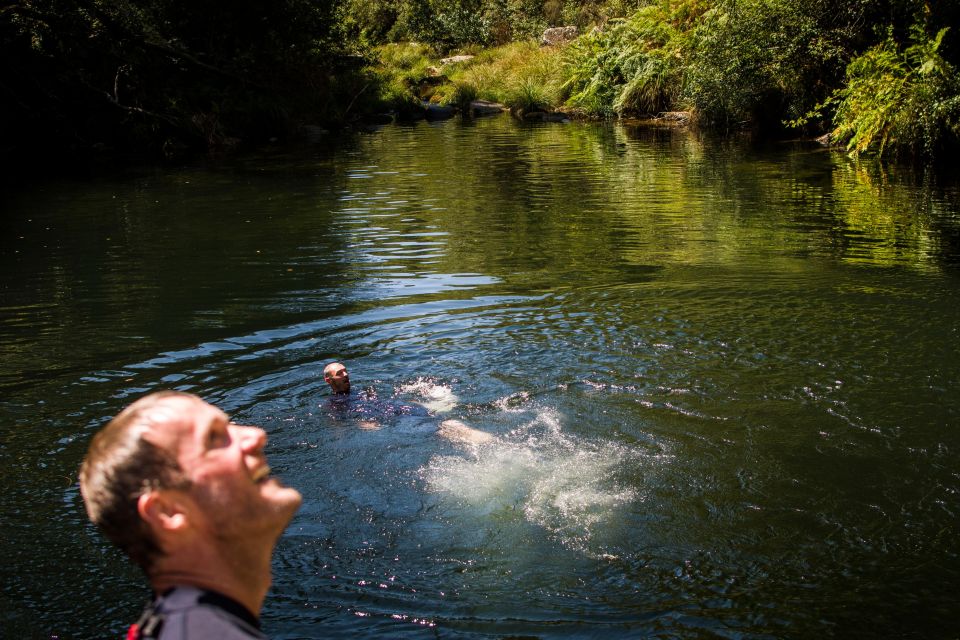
(133,632)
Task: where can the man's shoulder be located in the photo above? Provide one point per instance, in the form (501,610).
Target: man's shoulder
(205,621)
(187,613)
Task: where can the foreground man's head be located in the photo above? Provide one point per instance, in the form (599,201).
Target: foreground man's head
(188,495)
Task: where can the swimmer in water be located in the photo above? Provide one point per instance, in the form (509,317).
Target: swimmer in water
(335,374)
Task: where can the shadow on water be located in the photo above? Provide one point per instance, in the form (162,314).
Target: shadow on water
(720,380)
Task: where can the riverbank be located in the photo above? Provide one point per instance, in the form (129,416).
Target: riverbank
(896,97)
(527,79)
(879,77)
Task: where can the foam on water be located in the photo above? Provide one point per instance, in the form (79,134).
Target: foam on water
(565,484)
(436,398)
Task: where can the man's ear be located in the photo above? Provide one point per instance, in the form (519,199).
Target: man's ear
(163,510)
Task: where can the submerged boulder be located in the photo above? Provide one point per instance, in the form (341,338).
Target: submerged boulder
(544,116)
(438,112)
(484,108)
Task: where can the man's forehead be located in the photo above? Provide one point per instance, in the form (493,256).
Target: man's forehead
(171,421)
(162,415)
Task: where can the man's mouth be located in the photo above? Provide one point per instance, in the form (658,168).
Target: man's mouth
(261,474)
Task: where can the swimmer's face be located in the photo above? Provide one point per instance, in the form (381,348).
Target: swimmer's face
(337,377)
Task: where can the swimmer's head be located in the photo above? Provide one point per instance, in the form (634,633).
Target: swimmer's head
(337,377)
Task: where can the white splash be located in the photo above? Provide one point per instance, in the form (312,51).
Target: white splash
(564,484)
(436,398)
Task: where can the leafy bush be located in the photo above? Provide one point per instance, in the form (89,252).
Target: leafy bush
(634,65)
(755,61)
(458,26)
(516,20)
(906,99)
(592,71)
(442,23)
(159,73)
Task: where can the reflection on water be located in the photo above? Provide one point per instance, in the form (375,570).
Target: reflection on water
(720,380)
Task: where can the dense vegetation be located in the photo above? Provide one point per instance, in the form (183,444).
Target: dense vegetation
(879,75)
(154,73)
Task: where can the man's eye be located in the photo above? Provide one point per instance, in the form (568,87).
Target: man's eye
(218,439)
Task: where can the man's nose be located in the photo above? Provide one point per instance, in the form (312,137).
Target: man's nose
(252,439)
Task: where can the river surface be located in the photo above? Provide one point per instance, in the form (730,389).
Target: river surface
(723,381)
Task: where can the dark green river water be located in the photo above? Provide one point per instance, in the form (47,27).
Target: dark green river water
(724,382)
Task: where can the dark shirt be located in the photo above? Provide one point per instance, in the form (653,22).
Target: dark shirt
(189,613)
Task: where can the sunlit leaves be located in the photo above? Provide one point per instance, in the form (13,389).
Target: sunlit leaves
(907,98)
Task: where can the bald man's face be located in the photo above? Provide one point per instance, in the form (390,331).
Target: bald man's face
(225,462)
(337,377)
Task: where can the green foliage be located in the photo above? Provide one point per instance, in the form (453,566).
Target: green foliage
(517,20)
(634,65)
(872,100)
(909,99)
(410,60)
(526,94)
(457,94)
(588,14)
(167,72)
(457,26)
(757,61)
(444,24)
(367,23)
(158,72)
(398,75)
(521,75)
(592,73)
(450,24)
(654,64)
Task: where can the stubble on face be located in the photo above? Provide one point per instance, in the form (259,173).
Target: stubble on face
(231,487)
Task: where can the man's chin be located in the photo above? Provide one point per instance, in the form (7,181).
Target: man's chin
(289,498)
(277,493)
